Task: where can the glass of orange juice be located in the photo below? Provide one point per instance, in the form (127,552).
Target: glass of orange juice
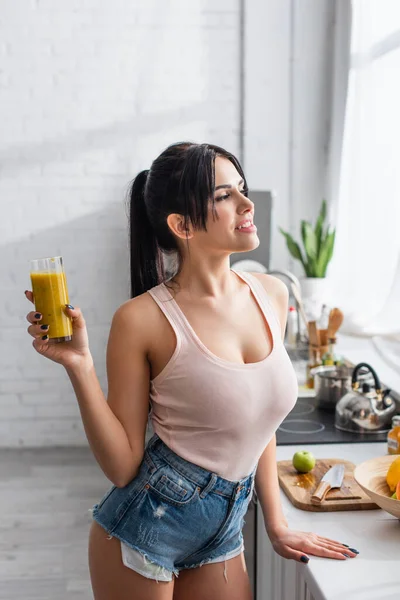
(50,295)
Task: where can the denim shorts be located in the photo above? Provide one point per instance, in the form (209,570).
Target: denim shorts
(174,514)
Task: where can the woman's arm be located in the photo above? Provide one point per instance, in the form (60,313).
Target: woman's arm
(116,427)
(267,488)
(106,436)
(266,480)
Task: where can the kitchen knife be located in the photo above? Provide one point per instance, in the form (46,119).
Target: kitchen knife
(332,479)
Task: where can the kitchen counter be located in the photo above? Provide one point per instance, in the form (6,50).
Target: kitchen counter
(375,573)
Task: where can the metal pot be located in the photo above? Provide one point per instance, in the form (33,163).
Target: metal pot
(330,383)
(364,409)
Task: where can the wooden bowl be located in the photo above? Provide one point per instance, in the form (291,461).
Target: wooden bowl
(371,477)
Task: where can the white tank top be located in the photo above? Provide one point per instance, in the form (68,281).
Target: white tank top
(215,413)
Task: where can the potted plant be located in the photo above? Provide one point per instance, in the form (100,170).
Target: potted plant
(318,245)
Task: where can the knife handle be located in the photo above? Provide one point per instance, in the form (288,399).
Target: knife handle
(321,491)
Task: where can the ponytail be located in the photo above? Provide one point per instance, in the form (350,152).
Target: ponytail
(146,265)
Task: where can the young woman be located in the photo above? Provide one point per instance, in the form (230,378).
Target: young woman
(203,349)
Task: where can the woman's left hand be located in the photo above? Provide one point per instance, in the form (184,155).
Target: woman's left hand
(297,544)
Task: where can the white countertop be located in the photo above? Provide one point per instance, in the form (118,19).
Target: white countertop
(375,573)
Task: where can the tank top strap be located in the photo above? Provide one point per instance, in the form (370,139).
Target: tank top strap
(164,299)
(264,301)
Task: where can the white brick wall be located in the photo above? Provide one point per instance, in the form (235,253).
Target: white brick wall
(90,92)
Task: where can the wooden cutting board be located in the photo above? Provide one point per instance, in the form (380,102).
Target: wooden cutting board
(300,487)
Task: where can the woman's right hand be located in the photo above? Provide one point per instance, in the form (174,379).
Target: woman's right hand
(68,354)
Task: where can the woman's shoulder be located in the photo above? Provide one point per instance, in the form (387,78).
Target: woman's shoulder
(139,315)
(273,286)
(278,294)
(136,303)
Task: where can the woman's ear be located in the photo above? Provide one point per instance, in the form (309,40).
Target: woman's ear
(177,225)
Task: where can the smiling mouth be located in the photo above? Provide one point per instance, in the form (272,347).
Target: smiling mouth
(246,226)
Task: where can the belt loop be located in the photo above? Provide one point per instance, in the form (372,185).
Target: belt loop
(149,461)
(152,440)
(209,485)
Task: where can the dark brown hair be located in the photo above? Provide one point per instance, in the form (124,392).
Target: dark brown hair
(181,180)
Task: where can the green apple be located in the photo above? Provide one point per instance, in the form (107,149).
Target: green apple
(303,461)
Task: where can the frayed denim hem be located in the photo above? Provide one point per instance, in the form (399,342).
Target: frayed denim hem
(217,559)
(144,554)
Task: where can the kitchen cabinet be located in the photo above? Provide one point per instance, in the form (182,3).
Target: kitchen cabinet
(279,578)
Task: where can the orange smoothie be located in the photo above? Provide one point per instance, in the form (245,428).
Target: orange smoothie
(50,295)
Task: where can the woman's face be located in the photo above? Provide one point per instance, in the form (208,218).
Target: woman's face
(234,210)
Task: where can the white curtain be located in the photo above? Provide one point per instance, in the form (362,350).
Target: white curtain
(364,182)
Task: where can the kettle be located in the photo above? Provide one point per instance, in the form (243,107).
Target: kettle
(365,410)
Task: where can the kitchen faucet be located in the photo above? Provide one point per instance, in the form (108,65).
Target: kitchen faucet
(296,282)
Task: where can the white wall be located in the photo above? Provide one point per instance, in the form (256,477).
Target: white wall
(288,74)
(90,93)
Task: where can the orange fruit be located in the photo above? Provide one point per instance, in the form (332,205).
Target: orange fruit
(393,474)
(398,491)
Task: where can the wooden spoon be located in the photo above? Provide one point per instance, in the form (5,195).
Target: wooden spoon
(313,333)
(335,320)
(323,333)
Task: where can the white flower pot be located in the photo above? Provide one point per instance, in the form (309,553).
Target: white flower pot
(314,293)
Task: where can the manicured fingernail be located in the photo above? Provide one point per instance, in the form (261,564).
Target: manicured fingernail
(44,327)
(347,555)
(38,316)
(44,337)
(354,550)
(304,559)
(69,306)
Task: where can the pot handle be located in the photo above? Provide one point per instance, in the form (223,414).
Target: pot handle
(386,403)
(375,376)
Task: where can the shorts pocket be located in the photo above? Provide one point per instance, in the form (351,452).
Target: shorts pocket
(169,485)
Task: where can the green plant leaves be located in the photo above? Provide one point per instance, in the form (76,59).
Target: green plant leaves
(325,254)
(310,246)
(320,225)
(293,246)
(309,240)
(318,245)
